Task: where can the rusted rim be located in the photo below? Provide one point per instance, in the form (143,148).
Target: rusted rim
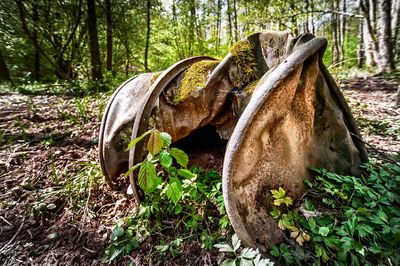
(144,112)
(237,138)
(103,125)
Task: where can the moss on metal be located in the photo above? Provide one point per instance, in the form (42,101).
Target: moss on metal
(251,86)
(243,58)
(194,78)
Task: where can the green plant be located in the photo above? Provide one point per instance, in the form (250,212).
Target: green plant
(241,256)
(349,220)
(189,201)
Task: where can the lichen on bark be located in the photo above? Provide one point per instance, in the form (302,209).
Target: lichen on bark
(194,78)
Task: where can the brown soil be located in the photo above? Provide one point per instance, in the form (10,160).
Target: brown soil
(45,143)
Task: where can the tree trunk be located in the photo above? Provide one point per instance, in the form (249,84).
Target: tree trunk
(109,30)
(335,37)
(94,41)
(396,27)
(386,62)
(370,43)
(360,45)
(342,33)
(146,49)
(36,61)
(236,29)
(4,73)
(218,40)
(229,21)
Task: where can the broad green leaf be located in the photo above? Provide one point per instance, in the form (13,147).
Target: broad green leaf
(167,139)
(148,179)
(185,173)
(135,141)
(174,191)
(180,156)
(155,143)
(165,159)
(323,231)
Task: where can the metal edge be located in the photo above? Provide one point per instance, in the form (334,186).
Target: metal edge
(102,127)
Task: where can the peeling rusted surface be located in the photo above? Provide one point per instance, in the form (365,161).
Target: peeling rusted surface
(292,121)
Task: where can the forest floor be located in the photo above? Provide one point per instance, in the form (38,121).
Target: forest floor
(55,208)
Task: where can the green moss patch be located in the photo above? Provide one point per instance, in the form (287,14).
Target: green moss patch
(251,87)
(194,78)
(243,58)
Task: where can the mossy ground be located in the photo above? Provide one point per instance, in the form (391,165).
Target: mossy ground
(194,78)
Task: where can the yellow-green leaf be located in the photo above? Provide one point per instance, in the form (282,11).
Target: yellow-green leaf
(155,143)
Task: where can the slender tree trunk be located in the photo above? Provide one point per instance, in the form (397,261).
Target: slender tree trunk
(146,50)
(192,23)
(109,30)
(360,45)
(343,33)
(386,62)
(396,27)
(335,37)
(4,73)
(370,43)
(218,41)
(229,11)
(94,41)
(36,61)
(236,29)
(312,17)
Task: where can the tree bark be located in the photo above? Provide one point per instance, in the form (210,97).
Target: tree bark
(360,44)
(386,59)
(94,41)
(218,40)
(109,29)
(229,12)
(342,33)
(4,73)
(335,37)
(396,27)
(371,48)
(36,61)
(236,29)
(146,50)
